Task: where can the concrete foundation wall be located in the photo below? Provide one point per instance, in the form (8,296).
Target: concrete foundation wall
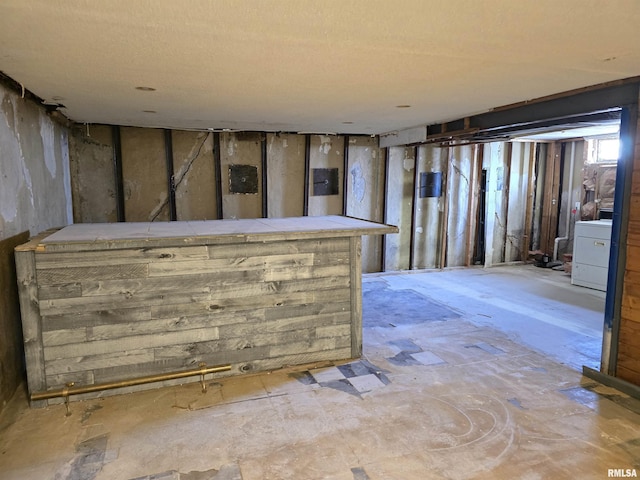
(326,152)
(146,192)
(429,212)
(35,195)
(240,149)
(92,180)
(399,203)
(285,175)
(460,211)
(365,194)
(194,175)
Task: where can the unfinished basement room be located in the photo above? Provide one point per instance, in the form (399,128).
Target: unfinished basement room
(363,240)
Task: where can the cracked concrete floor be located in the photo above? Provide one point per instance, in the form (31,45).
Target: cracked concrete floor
(455,387)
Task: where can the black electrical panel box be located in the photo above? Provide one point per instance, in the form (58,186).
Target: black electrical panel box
(430,184)
(325,181)
(243,179)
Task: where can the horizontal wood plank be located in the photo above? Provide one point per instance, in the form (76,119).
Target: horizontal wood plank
(220,265)
(55,276)
(48,260)
(119,301)
(98,317)
(630,376)
(64,290)
(135,342)
(630,333)
(91,362)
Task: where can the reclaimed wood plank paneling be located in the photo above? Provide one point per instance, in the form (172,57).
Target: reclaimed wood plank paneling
(113,313)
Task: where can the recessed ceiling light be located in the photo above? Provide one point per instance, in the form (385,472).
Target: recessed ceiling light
(403,106)
(149,111)
(146,89)
(347,123)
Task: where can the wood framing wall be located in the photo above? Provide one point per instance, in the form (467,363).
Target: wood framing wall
(371,183)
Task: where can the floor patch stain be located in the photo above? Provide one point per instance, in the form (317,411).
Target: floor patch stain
(384,307)
(428,358)
(90,458)
(486,348)
(516,403)
(226,472)
(582,396)
(343,386)
(304,377)
(404,359)
(350,378)
(406,345)
(359,474)
(89,411)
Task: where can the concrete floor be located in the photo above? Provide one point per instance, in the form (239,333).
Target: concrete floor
(477,378)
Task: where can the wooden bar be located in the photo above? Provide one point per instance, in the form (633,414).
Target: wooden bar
(108,302)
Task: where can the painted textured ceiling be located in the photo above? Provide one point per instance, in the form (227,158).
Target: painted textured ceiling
(358,66)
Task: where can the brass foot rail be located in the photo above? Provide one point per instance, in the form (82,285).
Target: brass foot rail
(72,389)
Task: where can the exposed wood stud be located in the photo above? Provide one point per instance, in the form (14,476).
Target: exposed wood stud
(171,183)
(218,168)
(506,192)
(471,206)
(444,232)
(383,252)
(307,173)
(414,208)
(550,200)
(345,176)
(528,219)
(265,192)
(117,172)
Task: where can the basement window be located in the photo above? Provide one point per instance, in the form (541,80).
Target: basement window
(603,150)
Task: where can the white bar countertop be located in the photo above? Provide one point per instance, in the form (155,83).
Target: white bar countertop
(90,236)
